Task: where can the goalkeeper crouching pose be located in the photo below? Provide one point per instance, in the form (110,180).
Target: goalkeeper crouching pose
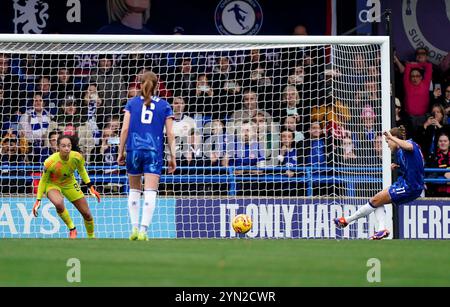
(58,180)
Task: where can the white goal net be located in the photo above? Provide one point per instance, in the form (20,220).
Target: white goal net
(285,129)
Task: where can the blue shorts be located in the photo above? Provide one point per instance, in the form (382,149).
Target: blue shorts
(143,162)
(402,195)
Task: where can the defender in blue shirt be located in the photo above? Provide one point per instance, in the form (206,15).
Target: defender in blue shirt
(408,186)
(145,142)
(144,122)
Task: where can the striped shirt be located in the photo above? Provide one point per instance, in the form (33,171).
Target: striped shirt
(35,125)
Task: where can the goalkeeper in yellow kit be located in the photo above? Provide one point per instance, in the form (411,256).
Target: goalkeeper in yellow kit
(58,180)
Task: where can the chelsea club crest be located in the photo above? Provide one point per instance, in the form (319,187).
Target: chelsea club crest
(30,16)
(238,17)
(425,31)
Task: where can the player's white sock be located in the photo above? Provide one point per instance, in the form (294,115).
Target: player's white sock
(149,207)
(361,212)
(380,215)
(134,206)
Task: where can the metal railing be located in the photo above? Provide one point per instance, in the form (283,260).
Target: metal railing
(308,175)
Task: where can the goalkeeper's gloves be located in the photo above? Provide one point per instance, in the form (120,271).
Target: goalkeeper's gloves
(93,191)
(36,206)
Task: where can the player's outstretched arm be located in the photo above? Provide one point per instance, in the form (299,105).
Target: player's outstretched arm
(123,138)
(85,177)
(405,145)
(41,188)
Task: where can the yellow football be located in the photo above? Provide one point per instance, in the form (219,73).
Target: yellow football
(242,223)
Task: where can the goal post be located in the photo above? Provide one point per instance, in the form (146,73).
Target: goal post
(284,128)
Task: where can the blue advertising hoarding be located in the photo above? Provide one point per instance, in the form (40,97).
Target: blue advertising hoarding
(272,218)
(190,218)
(210,218)
(425,219)
(110,216)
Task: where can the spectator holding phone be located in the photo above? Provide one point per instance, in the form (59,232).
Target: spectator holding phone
(441,160)
(442,98)
(428,133)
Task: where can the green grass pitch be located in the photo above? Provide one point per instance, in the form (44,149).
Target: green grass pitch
(225,262)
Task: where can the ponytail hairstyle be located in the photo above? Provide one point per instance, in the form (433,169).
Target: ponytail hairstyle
(73,140)
(149,81)
(399,132)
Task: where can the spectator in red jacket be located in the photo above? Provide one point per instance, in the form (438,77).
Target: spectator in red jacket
(441,160)
(416,81)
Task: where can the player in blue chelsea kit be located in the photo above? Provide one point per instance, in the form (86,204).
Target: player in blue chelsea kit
(143,126)
(408,186)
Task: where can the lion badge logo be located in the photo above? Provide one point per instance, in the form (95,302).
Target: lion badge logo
(30,16)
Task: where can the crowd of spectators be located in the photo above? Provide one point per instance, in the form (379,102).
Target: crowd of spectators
(423,106)
(263,111)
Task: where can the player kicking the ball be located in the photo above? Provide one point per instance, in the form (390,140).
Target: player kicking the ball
(408,186)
